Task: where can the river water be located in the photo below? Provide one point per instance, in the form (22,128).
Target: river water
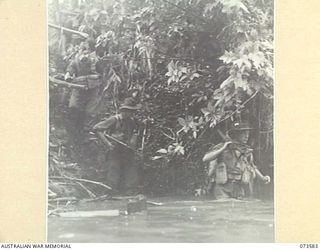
(174,221)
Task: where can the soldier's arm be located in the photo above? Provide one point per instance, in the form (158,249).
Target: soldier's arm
(100,127)
(105,125)
(215,152)
(71,71)
(93,63)
(212,167)
(264,178)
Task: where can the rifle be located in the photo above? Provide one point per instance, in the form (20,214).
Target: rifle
(55,81)
(105,139)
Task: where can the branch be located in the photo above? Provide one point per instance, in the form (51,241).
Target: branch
(237,110)
(81,34)
(168,136)
(227,117)
(63,199)
(82,180)
(91,194)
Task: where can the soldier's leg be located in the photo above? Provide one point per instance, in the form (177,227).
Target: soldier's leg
(131,179)
(92,99)
(249,188)
(222,191)
(130,175)
(238,190)
(74,132)
(71,118)
(77,106)
(113,174)
(75,114)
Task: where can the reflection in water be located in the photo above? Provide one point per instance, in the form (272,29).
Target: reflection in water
(175,221)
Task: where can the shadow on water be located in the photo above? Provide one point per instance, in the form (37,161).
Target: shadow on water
(175,221)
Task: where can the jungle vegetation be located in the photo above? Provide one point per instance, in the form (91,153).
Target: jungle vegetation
(199,64)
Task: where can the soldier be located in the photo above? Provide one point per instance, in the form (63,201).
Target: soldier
(231,166)
(122,173)
(82,103)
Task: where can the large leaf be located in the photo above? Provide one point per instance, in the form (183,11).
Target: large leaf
(157,157)
(182,122)
(162,151)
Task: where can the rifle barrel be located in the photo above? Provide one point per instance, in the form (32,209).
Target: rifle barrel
(121,143)
(53,80)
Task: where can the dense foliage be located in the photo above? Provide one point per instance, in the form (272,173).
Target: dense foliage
(200,64)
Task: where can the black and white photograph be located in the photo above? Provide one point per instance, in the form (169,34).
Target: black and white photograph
(161,121)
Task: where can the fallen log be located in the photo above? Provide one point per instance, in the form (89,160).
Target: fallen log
(86,214)
(54,81)
(153,203)
(64,29)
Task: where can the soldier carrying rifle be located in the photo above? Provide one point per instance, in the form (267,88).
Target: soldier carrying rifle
(122,172)
(82,71)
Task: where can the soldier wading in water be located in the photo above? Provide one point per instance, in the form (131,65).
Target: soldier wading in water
(122,172)
(231,167)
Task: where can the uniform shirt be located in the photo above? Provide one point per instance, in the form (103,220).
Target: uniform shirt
(83,68)
(117,128)
(236,159)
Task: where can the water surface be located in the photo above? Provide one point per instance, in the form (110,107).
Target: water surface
(175,221)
